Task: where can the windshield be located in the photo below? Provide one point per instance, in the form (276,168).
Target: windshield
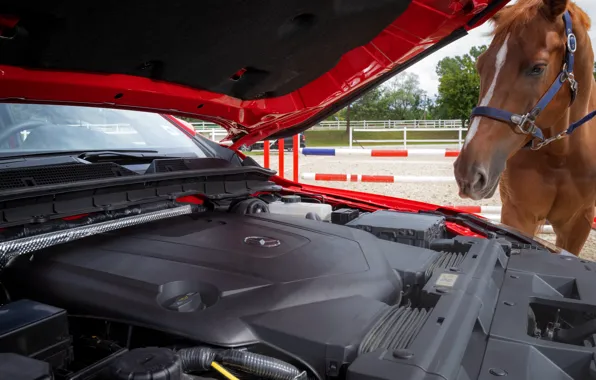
(32,128)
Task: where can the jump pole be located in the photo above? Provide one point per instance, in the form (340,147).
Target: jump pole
(380,152)
(478,209)
(266,152)
(295,154)
(281,156)
(280,145)
(375,178)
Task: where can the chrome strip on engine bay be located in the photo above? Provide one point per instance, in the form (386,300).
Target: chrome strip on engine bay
(13,248)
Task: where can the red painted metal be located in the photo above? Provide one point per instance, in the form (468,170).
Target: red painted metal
(295,150)
(377,178)
(422,25)
(266,154)
(193,199)
(7,23)
(372,200)
(461,230)
(331,177)
(389,153)
(470,209)
(281,156)
(451,153)
(75,217)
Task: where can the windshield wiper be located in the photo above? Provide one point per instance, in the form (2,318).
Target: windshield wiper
(80,153)
(135,154)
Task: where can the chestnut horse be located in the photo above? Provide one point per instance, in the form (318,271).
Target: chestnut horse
(536,88)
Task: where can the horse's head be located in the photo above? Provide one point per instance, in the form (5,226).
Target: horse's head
(524,59)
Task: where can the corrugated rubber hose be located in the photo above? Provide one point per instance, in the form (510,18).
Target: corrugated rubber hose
(199,359)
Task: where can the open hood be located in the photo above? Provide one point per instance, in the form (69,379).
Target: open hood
(259,68)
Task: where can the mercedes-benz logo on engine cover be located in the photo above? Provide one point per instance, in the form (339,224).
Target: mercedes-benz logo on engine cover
(262,241)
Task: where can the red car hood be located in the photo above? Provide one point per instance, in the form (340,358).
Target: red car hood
(259,68)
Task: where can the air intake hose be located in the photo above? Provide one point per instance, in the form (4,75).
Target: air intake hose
(196,359)
(200,359)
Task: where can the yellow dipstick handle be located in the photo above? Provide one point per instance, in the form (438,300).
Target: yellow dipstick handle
(223,371)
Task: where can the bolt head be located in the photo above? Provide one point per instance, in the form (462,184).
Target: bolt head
(403,354)
(497,372)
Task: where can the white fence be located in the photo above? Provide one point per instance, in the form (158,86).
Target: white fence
(389,124)
(405,140)
(216,133)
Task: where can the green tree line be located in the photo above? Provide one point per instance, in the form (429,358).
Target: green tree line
(401,98)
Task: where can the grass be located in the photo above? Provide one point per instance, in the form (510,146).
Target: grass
(341,138)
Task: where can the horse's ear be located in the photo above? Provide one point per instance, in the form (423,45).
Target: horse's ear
(553,9)
(497,16)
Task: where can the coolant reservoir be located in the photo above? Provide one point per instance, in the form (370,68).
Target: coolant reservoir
(293,205)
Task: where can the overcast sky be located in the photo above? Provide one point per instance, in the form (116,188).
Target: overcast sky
(425,69)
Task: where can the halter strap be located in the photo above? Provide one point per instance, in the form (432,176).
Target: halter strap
(526,123)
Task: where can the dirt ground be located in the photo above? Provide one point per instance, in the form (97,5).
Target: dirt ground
(437,193)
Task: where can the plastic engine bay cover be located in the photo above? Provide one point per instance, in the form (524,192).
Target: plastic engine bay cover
(228,280)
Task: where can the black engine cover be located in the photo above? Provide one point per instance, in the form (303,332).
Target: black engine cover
(308,287)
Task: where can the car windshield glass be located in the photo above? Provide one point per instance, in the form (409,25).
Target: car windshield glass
(32,128)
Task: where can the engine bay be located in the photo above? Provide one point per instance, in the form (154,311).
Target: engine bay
(273,286)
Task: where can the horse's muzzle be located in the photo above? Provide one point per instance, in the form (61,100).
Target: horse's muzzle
(474,182)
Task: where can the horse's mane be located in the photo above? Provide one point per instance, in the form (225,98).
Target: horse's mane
(521,13)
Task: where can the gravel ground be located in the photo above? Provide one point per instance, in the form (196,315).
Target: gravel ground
(441,193)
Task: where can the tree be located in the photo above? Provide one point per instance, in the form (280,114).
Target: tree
(369,106)
(400,98)
(459,84)
(403,98)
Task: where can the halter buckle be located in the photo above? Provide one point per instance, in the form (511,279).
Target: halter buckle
(521,120)
(571,42)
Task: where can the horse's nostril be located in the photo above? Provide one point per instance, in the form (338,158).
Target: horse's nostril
(480,180)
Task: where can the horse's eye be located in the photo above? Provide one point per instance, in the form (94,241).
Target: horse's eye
(537,70)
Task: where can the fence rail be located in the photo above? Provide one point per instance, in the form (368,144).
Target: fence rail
(362,124)
(405,140)
(217,133)
(388,124)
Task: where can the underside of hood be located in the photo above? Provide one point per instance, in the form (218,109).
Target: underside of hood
(259,68)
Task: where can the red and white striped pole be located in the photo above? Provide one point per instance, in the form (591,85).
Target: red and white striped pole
(427,152)
(479,209)
(375,178)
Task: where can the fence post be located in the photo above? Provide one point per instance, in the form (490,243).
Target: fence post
(350,136)
(405,137)
(212,134)
(459,132)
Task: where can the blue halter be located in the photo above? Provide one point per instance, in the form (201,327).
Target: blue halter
(526,124)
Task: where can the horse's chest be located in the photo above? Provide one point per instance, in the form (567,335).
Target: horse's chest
(541,181)
(556,162)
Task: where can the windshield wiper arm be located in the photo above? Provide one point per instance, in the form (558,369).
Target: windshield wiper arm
(77,153)
(148,154)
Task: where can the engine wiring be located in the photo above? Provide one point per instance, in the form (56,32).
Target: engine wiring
(219,368)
